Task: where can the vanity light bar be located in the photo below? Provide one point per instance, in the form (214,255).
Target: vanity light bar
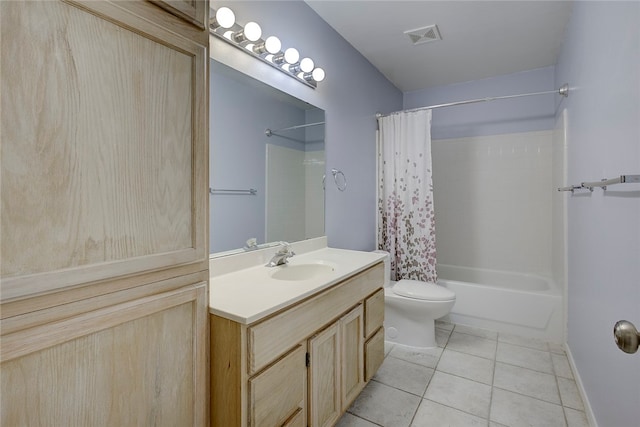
(248,38)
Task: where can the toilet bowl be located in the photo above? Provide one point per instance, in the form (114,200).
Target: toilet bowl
(411,308)
(409,317)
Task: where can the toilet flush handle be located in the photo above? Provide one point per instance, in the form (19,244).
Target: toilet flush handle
(627,336)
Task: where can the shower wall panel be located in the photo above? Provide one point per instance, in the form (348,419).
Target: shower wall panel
(493,201)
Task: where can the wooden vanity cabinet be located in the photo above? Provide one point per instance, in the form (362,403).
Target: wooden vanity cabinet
(303,365)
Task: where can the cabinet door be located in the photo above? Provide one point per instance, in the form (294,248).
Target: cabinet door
(193,11)
(142,362)
(352,347)
(104,147)
(279,394)
(324,377)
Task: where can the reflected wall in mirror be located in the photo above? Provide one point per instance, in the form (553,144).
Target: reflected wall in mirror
(286,169)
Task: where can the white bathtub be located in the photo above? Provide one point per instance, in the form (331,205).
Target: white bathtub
(502,301)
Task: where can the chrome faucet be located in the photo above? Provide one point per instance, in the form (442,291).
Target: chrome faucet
(281,257)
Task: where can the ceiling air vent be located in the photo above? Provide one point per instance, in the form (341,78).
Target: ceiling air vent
(424,34)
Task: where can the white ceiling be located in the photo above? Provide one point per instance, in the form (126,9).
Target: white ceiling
(480,39)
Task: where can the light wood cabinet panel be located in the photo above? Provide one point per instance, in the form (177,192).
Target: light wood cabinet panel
(193,11)
(373,354)
(269,338)
(325,404)
(280,391)
(139,363)
(104,150)
(297,420)
(352,357)
(373,312)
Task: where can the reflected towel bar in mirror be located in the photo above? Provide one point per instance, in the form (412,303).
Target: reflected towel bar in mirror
(250,191)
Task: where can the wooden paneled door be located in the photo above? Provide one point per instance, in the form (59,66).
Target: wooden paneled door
(104,176)
(352,355)
(325,404)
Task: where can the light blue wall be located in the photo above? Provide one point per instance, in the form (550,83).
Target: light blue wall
(351,94)
(490,118)
(601,61)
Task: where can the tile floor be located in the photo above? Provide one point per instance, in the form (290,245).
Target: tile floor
(475,377)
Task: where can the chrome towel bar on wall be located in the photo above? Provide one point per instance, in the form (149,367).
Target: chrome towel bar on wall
(622,179)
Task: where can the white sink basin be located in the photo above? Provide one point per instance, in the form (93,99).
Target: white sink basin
(301,271)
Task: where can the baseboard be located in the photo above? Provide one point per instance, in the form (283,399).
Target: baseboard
(583,394)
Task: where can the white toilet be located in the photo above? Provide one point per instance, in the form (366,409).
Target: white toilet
(411,308)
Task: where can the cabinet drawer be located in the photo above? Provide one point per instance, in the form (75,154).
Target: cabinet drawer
(373,312)
(373,354)
(277,394)
(269,338)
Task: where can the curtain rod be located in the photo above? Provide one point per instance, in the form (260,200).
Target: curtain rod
(270,132)
(564,91)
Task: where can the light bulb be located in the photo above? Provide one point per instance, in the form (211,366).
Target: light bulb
(318,74)
(306,65)
(291,55)
(225,17)
(272,45)
(252,31)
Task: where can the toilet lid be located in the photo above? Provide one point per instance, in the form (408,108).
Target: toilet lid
(422,290)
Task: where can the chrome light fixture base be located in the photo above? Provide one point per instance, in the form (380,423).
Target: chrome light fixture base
(235,35)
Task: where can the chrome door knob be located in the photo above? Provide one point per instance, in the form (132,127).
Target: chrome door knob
(626,336)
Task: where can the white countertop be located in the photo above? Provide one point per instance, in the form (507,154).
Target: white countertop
(250,294)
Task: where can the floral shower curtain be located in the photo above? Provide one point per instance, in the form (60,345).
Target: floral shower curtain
(406,222)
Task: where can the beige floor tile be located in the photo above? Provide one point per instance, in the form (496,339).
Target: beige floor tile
(525,357)
(556,348)
(442,337)
(523,341)
(514,410)
(385,406)
(576,418)
(466,365)
(561,366)
(444,325)
(350,420)
(425,357)
(460,393)
(525,381)
(483,333)
(471,344)
(404,375)
(570,394)
(432,414)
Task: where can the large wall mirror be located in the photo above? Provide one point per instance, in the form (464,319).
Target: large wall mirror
(265,187)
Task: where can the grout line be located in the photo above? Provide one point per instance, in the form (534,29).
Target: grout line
(493,380)
(456,409)
(531,397)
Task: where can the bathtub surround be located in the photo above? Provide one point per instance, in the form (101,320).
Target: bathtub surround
(406,223)
(493,201)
